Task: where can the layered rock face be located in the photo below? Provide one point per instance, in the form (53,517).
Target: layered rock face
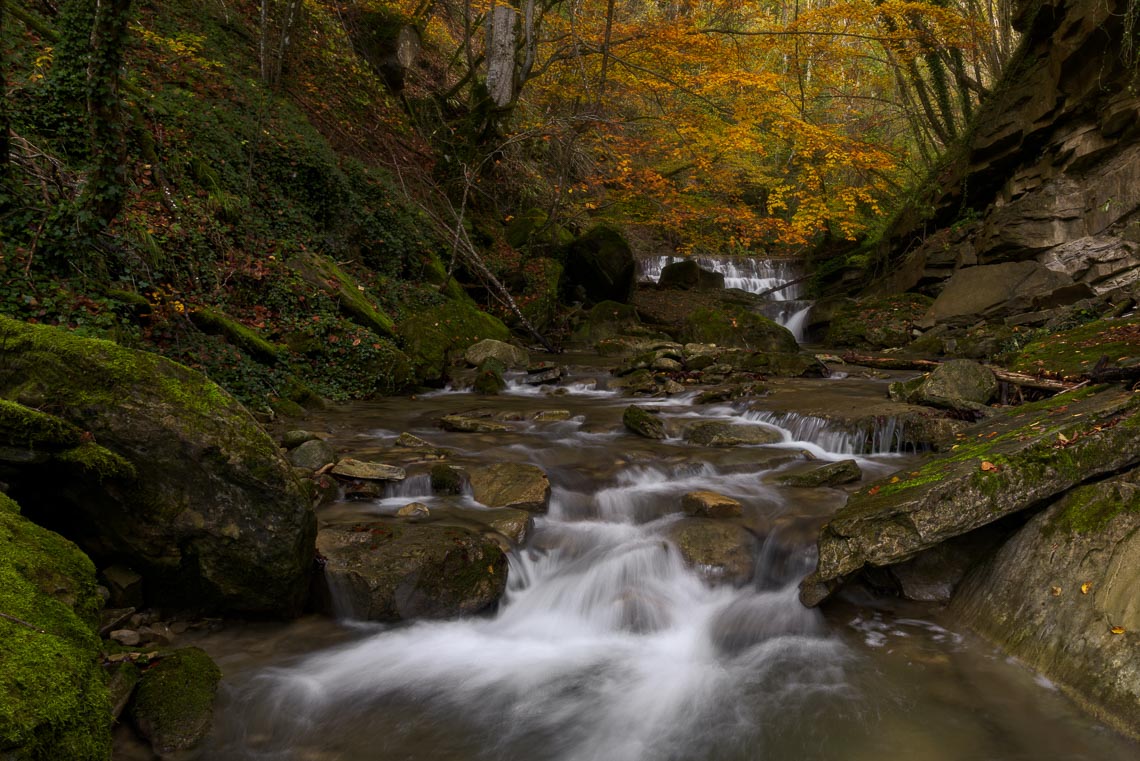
(1051,172)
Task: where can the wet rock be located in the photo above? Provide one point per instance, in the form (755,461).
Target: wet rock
(643,422)
(489,378)
(1061,598)
(551,416)
(464,424)
(639,382)
(905,392)
(710,504)
(511,484)
(363,491)
(719,551)
(730,393)
(713,433)
(959,384)
(934,574)
(732,326)
(1006,464)
(411,441)
(174,703)
(829,474)
(446,479)
(514,524)
(599,267)
(688,275)
(666,365)
(368,471)
(396,571)
(414,510)
(157,633)
(543,373)
(312,455)
(509,356)
(294,439)
(671,387)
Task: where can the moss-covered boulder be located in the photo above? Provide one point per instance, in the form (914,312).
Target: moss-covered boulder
(1061,597)
(396,571)
(688,275)
(643,422)
(734,326)
(173,476)
(960,384)
(54,702)
(598,266)
(878,323)
(434,337)
(174,703)
(1003,465)
(1074,352)
(511,357)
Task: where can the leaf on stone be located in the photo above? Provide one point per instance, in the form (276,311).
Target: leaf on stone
(1117,630)
(873,490)
(990,467)
(1086,587)
(1055,591)
(895,480)
(1063,439)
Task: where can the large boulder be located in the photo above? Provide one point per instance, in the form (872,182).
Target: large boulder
(511,484)
(643,422)
(599,266)
(959,384)
(1006,464)
(993,291)
(1061,597)
(688,275)
(53,695)
(396,571)
(715,433)
(510,356)
(730,326)
(169,473)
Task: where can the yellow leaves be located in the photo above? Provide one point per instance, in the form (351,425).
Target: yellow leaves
(1086,587)
(1117,630)
(1055,591)
(989,467)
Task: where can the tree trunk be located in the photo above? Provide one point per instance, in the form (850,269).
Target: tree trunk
(4,121)
(106,184)
(501,55)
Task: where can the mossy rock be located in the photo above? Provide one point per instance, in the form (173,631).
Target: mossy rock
(215,322)
(879,323)
(532,227)
(433,337)
(734,326)
(178,478)
(350,297)
(1073,353)
(828,474)
(446,479)
(598,266)
(489,377)
(54,702)
(174,704)
(643,422)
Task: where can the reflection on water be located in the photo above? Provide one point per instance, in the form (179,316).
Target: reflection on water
(608,648)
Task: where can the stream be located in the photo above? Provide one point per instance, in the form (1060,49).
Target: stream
(606,647)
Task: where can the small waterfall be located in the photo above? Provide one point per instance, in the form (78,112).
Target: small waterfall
(787,307)
(887,435)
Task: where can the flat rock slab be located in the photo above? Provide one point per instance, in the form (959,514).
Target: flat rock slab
(710,504)
(368,471)
(464,424)
(511,484)
(712,433)
(1061,597)
(1013,461)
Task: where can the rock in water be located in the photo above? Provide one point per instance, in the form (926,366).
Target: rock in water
(312,455)
(175,476)
(831,474)
(389,571)
(1061,597)
(721,552)
(511,357)
(710,504)
(511,484)
(174,704)
(643,422)
(713,433)
(368,471)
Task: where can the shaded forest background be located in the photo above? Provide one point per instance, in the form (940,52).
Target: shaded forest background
(316,199)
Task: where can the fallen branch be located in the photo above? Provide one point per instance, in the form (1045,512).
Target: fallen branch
(1030,381)
(782,286)
(925,365)
(22,622)
(890,363)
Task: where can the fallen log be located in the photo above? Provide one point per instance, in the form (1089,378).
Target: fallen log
(925,365)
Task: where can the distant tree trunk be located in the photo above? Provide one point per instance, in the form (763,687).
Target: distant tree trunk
(4,121)
(501,55)
(106,184)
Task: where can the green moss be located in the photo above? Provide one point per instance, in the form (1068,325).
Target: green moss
(24,427)
(433,336)
(1091,508)
(878,323)
(1073,353)
(215,322)
(350,296)
(53,695)
(175,699)
(99,462)
(733,326)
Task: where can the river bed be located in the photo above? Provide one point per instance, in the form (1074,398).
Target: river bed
(606,646)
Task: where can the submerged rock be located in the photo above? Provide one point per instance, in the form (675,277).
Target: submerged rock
(713,433)
(1061,597)
(511,484)
(1006,464)
(397,571)
(174,703)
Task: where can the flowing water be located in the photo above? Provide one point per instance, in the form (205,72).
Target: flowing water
(608,648)
(777,279)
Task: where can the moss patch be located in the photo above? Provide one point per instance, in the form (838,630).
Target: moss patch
(1073,353)
(175,700)
(1091,508)
(432,337)
(878,323)
(53,695)
(22,426)
(214,322)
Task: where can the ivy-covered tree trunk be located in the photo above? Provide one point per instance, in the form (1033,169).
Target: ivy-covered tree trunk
(106,184)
